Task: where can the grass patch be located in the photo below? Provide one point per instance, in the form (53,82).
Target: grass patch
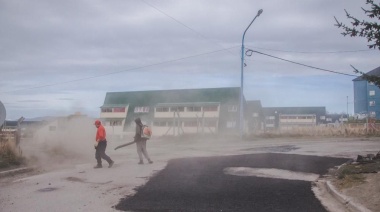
(351,180)
(349,175)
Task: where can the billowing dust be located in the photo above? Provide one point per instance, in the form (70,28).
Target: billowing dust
(61,142)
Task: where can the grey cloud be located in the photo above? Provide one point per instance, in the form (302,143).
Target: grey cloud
(113,45)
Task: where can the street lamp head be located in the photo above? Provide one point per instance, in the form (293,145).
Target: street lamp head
(259,12)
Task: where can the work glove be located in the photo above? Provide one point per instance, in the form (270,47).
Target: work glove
(96,144)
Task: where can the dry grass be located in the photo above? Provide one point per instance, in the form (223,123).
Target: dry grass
(344,130)
(350,181)
(350,175)
(9,156)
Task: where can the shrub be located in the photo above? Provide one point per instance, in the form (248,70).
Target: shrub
(9,155)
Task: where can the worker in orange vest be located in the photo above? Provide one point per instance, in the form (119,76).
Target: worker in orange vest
(101,145)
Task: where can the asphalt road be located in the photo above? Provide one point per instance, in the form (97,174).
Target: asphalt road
(199,184)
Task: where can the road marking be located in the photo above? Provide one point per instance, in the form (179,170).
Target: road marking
(270,173)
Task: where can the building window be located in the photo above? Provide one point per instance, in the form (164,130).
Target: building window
(210,123)
(119,110)
(210,108)
(175,109)
(115,123)
(106,110)
(322,117)
(371,103)
(175,124)
(190,124)
(231,124)
(232,108)
(372,93)
(372,113)
(162,109)
(269,117)
(194,109)
(159,123)
(141,110)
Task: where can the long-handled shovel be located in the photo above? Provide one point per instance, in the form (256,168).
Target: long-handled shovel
(123,145)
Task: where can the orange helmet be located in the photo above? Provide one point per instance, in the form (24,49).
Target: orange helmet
(97,122)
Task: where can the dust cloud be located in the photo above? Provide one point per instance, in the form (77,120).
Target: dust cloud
(62,142)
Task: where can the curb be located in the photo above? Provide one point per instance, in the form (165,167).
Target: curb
(15,171)
(345,200)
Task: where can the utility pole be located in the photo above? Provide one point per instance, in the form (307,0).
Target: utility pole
(347,107)
(241,119)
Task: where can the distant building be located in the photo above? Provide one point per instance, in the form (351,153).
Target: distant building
(254,116)
(367,96)
(61,129)
(173,112)
(336,119)
(291,117)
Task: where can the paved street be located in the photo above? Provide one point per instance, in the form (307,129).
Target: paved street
(197,168)
(200,184)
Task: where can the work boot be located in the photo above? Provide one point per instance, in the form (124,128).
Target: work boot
(98,166)
(141,162)
(111,164)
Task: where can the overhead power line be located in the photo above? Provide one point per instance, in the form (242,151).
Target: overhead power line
(313,52)
(117,72)
(322,69)
(303,52)
(170,61)
(184,25)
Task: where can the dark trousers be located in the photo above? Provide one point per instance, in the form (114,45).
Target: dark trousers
(101,152)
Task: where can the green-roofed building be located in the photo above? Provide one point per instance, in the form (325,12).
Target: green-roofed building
(173,112)
(254,116)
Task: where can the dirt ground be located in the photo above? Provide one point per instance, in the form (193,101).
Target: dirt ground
(366,193)
(70,167)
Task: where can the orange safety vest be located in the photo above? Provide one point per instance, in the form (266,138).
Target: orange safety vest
(101,133)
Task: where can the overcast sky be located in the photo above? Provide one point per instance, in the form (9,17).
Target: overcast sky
(60,57)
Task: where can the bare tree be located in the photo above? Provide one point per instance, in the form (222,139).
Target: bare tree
(367,29)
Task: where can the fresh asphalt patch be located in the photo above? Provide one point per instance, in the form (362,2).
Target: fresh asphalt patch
(201,184)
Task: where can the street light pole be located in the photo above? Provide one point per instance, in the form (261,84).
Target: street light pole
(242,78)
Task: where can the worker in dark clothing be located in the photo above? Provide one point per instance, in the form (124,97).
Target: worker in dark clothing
(101,145)
(141,142)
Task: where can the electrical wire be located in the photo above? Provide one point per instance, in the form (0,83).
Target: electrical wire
(310,52)
(184,25)
(321,69)
(116,72)
(170,61)
(199,34)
